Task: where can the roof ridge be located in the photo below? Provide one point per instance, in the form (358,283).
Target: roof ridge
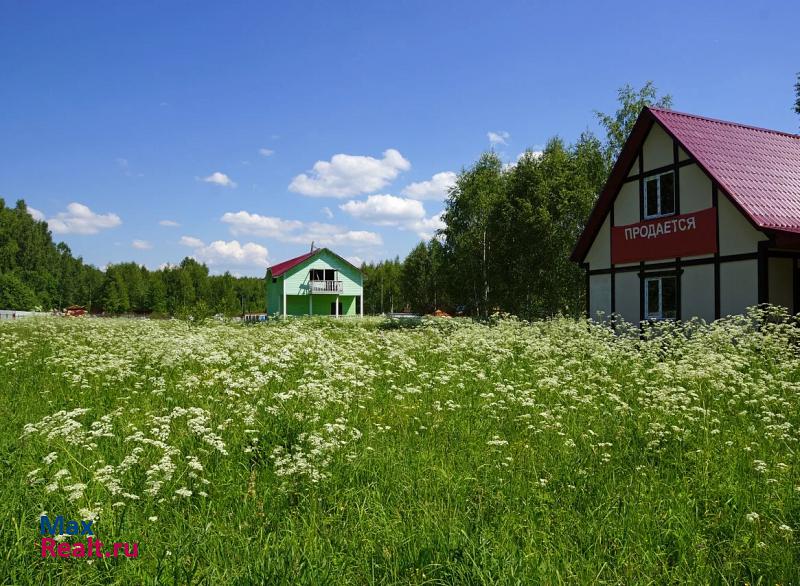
(294,258)
(720,121)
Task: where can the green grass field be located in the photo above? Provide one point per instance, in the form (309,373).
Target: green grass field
(349,452)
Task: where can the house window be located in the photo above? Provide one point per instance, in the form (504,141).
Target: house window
(329,275)
(317,275)
(274,279)
(661,297)
(659,195)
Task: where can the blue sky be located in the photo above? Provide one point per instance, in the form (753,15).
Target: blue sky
(257,127)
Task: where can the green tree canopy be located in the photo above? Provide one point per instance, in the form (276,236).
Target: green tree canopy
(619,125)
(797,94)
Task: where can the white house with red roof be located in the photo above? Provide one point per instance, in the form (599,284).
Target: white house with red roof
(699,217)
(319,282)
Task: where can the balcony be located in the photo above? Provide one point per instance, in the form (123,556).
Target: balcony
(325,286)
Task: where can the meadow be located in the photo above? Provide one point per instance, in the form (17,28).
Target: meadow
(318,451)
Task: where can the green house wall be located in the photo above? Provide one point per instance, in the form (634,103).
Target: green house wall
(274,294)
(295,282)
(321,304)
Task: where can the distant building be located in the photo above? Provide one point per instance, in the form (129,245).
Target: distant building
(699,217)
(316,283)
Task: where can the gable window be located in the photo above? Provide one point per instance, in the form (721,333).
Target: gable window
(317,275)
(329,275)
(659,195)
(661,297)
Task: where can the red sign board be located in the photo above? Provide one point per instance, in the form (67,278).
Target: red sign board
(670,237)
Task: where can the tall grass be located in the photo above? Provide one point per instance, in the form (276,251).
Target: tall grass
(321,451)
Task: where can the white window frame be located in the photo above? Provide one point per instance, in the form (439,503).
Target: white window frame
(658,214)
(646,297)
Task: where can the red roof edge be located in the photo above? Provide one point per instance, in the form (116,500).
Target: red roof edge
(618,174)
(661,116)
(663,111)
(280,268)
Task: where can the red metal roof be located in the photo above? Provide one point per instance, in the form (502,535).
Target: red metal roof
(280,268)
(758,169)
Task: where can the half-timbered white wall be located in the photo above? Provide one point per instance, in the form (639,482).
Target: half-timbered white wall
(738,278)
(626,206)
(736,234)
(657,149)
(695,189)
(738,286)
(697,292)
(780,282)
(627,296)
(600,299)
(599,255)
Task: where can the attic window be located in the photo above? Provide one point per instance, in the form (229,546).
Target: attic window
(659,195)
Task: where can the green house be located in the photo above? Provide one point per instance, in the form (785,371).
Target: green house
(319,282)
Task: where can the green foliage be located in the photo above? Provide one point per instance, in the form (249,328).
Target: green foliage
(15,294)
(383,290)
(469,239)
(631,102)
(510,229)
(797,95)
(35,271)
(419,452)
(196,314)
(424,277)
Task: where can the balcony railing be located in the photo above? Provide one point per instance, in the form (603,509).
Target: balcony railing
(325,286)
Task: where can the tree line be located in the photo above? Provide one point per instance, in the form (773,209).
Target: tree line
(510,228)
(37,273)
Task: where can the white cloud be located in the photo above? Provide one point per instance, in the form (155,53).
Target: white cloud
(169,223)
(257,225)
(355,260)
(385,210)
(435,188)
(389,210)
(141,245)
(297,232)
(330,235)
(79,219)
(220,179)
(499,137)
(36,214)
(191,241)
(326,211)
(220,252)
(266,152)
(347,175)
(427,227)
(533,154)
